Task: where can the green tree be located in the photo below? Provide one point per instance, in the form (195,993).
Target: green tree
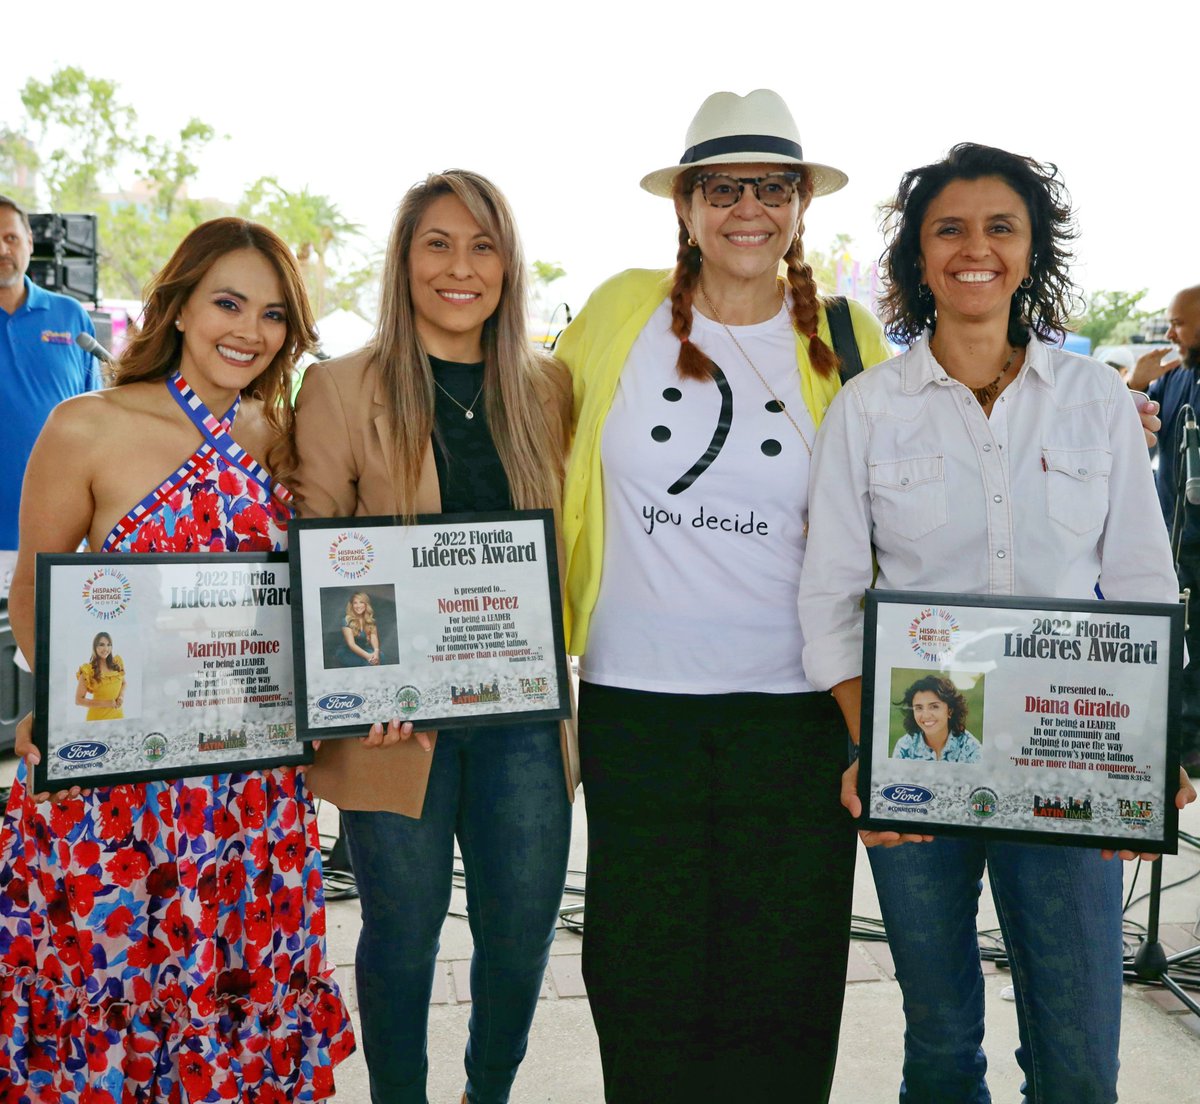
(541,275)
(320,236)
(83,143)
(1110,317)
(544,273)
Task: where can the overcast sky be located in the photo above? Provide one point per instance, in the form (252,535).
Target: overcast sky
(567,105)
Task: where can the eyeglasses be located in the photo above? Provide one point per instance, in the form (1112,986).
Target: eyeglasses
(773,190)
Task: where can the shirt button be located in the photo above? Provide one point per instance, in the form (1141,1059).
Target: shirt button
(997,498)
(1081,471)
(987,448)
(904,481)
(1001,554)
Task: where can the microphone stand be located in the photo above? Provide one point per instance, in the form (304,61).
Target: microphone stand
(1150,962)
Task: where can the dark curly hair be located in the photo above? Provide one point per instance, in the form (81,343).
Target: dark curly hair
(944,689)
(1043,307)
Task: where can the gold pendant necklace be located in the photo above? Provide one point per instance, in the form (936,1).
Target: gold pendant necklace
(468,411)
(746,356)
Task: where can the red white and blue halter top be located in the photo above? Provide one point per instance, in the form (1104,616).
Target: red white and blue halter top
(220,500)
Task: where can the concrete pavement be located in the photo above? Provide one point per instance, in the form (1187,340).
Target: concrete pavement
(1160,1051)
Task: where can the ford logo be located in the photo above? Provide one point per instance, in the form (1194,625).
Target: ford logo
(907,795)
(340,703)
(87,751)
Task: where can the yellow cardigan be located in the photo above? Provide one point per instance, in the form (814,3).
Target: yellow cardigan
(594,347)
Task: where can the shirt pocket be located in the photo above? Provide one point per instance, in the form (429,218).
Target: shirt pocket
(1077,487)
(908,497)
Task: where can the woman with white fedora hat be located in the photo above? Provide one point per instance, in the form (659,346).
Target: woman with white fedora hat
(720,861)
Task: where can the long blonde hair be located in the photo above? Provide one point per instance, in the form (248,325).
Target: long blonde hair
(361,625)
(525,394)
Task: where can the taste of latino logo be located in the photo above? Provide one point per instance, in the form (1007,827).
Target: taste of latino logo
(351,555)
(106,593)
(933,634)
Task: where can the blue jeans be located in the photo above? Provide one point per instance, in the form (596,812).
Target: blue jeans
(501,791)
(1060,914)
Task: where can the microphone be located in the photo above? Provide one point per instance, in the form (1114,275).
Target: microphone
(1191,459)
(90,345)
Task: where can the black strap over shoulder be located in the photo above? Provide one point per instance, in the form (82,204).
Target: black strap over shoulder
(841,329)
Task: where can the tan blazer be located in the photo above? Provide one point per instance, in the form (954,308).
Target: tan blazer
(342,435)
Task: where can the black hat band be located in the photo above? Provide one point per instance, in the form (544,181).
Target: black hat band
(742,144)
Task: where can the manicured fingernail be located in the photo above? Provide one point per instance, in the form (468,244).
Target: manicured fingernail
(376,729)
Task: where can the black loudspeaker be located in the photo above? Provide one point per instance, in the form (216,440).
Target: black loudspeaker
(64,255)
(16,686)
(75,235)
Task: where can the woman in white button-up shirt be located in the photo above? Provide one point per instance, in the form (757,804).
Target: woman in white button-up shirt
(985,460)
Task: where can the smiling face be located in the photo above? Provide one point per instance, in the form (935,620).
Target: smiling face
(744,242)
(358,605)
(234,323)
(16,247)
(102,648)
(975,249)
(932,716)
(456,276)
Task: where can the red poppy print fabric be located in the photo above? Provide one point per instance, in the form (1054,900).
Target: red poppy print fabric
(164,942)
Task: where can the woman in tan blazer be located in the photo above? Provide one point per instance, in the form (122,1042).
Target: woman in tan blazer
(447,410)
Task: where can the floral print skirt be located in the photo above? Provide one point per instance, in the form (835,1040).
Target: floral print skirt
(164,943)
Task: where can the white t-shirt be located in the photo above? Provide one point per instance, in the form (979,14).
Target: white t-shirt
(705,501)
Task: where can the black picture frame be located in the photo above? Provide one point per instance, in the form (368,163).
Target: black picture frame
(309,545)
(56,582)
(993,794)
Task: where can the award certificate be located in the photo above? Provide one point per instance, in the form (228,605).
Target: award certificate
(162,666)
(1025,718)
(451,621)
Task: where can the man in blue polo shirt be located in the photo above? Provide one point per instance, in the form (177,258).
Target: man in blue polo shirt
(40,364)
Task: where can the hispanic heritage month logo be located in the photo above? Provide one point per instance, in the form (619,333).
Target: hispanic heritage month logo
(351,555)
(933,633)
(106,593)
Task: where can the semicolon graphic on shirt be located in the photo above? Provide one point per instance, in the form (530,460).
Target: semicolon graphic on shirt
(662,433)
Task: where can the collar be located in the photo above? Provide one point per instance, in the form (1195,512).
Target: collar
(36,298)
(920,369)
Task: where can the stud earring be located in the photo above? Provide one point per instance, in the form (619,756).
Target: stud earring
(1027,283)
(692,243)
(178,325)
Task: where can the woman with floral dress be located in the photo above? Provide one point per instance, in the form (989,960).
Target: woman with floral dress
(164,941)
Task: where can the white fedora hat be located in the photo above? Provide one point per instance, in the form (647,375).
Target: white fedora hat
(755,129)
